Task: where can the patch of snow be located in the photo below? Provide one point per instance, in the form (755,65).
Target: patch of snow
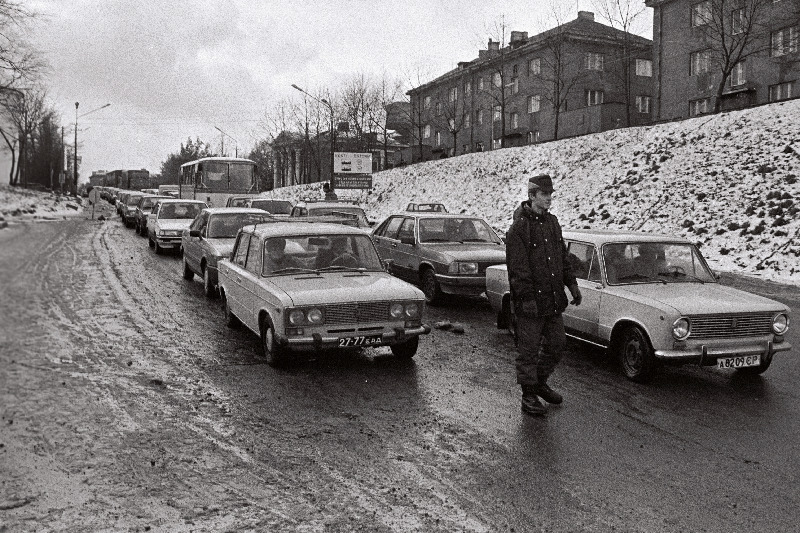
(18,204)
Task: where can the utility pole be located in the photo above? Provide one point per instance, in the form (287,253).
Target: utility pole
(75,154)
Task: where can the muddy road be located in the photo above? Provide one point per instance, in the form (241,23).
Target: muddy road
(127,405)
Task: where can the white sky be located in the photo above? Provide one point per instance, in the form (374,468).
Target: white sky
(173,70)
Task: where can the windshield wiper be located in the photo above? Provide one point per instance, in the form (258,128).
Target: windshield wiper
(676,274)
(294,269)
(338,268)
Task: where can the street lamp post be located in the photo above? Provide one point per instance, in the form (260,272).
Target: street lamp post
(333,139)
(235,143)
(75,150)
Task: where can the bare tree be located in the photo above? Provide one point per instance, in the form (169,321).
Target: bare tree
(23,110)
(733,30)
(498,87)
(417,111)
(19,62)
(623,15)
(387,91)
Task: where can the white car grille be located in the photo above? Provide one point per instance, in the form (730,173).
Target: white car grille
(742,325)
(356,313)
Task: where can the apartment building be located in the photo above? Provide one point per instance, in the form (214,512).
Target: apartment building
(580,77)
(695,73)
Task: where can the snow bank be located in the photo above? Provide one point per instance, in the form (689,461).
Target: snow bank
(18,204)
(728,182)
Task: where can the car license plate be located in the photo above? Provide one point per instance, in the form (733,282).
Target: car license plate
(371,340)
(739,362)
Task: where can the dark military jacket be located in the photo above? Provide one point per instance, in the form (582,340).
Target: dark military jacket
(536,257)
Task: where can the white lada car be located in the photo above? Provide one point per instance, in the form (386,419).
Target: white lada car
(313,286)
(168,219)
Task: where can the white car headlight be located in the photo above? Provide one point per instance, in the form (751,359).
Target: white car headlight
(314,316)
(458,267)
(780,323)
(412,310)
(304,317)
(297,317)
(681,328)
(396,310)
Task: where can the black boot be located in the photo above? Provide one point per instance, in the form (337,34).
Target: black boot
(530,403)
(547,394)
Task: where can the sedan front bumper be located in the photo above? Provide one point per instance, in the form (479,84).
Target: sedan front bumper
(707,355)
(317,341)
(462,285)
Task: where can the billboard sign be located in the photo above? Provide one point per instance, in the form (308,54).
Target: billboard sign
(352,163)
(362,181)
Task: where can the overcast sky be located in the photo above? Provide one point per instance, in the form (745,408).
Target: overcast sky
(173,70)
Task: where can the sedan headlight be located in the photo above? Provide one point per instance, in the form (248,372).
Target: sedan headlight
(305,317)
(459,267)
(404,310)
(780,323)
(681,328)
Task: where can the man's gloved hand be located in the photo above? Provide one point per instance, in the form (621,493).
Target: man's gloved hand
(577,297)
(528,308)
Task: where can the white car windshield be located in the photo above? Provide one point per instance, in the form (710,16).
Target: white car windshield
(454,229)
(319,253)
(227,225)
(180,211)
(659,262)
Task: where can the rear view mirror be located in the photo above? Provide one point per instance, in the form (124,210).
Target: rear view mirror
(319,241)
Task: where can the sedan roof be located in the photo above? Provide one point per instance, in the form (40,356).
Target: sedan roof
(279,229)
(235,210)
(602,236)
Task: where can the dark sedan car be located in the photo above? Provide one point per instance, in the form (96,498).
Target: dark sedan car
(442,253)
(210,238)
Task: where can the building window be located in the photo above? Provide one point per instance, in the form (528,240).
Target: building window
(643,104)
(593,61)
(699,107)
(479,147)
(438,138)
(737,21)
(644,67)
(438,108)
(699,62)
(498,113)
(427,132)
(497,79)
(453,94)
(479,116)
(781,91)
(701,13)
(534,103)
(467,89)
(480,84)
(535,66)
(496,143)
(465,120)
(594,97)
(514,120)
(783,41)
(426,102)
(737,74)
(533,137)
(514,85)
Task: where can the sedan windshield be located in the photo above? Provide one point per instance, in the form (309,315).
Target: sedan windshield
(654,262)
(227,225)
(319,253)
(276,207)
(454,229)
(342,210)
(180,211)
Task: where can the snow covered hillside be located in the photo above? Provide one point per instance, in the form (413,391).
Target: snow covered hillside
(728,182)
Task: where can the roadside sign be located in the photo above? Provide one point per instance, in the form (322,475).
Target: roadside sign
(352,163)
(363,181)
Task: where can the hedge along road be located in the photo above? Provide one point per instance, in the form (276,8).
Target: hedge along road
(127,405)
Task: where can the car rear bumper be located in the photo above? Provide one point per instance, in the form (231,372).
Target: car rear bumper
(707,355)
(318,341)
(168,242)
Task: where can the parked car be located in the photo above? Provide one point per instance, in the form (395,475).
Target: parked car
(129,207)
(442,253)
(122,196)
(313,286)
(345,209)
(436,208)
(168,219)
(210,237)
(279,208)
(651,299)
(144,208)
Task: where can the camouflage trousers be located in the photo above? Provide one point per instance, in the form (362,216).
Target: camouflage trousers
(540,344)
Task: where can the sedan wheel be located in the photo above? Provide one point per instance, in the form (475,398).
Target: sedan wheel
(636,355)
(230,319)
(157,248)
(406,350)
(188,275)
(433,293)
(274,354)
(208,287)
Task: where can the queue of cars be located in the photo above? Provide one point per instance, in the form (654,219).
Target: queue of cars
(322,277)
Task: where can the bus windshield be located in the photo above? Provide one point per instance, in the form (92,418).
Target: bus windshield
(227,176)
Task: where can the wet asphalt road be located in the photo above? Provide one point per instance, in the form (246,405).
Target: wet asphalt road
(127,405)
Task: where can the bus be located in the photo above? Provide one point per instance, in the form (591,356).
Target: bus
(214,179)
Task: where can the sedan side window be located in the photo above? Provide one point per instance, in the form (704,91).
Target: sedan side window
(254,257)
(579,257)
(390,229)
(406,229)
(240,253)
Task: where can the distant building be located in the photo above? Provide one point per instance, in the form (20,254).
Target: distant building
(578,78)
(688,57)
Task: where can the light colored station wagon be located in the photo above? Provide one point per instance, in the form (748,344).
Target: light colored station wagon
(652,299)
(311,286)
